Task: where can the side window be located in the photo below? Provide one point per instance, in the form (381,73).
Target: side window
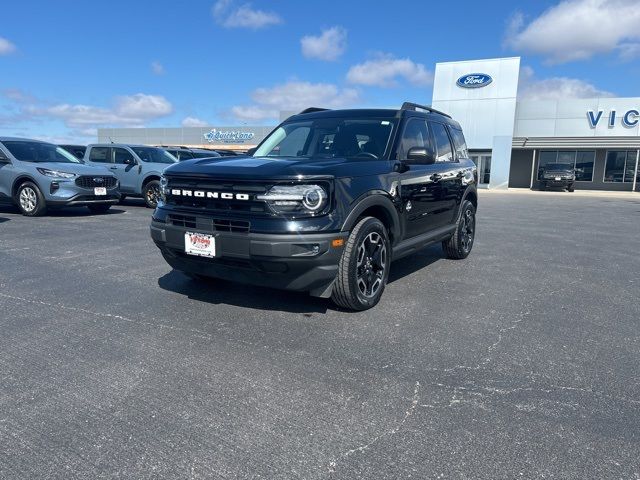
(120,155)
(100,154)
(183,155)
(444,152)
(459,143)
(415,134)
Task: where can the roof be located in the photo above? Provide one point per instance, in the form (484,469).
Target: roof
(374,113)
(20,139)
(122,145)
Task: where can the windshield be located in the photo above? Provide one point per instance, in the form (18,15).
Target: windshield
(154,155)
(27,151)
(558,166)
(329,138)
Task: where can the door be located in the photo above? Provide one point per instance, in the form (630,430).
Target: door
(483,162)
(6,177)
(420,187)
(450,174)
(126,168)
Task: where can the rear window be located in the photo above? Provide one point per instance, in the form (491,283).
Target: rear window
(459,143)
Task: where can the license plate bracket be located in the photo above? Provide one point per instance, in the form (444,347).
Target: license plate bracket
(200,244)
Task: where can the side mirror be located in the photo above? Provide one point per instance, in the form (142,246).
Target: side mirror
(420,155)
(3,158)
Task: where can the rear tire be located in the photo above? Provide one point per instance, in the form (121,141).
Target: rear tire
(460,243)
(151,193)
(99,208)
(30,200)
(364,266)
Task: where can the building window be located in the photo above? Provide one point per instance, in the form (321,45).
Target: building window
(582,162)
(620,166)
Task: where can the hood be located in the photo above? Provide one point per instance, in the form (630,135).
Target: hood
(77,168)
(268,167)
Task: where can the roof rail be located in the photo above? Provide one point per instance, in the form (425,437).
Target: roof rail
(313,109)
(415,106)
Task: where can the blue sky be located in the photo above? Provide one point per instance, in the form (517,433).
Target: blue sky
(76,66)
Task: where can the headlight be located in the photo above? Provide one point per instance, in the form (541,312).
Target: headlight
(163,188)
(305,199)
(56,174)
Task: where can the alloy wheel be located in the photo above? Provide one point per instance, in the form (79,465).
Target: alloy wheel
(28,199)
(153,194)
(371,264)
(467,230)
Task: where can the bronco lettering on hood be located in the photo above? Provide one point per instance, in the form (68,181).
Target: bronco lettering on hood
(178,192)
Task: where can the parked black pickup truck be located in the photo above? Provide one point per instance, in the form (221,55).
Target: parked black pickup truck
(324,204)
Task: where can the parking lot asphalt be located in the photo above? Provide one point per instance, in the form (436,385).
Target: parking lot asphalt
(519,362)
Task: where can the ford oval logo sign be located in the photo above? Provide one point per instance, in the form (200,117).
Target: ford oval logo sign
(474,80)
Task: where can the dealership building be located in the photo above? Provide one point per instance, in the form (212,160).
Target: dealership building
(509,139)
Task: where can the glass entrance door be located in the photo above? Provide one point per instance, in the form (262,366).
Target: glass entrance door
(483,162)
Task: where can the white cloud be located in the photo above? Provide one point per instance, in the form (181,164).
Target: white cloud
(6,47)
(244,16)
(576,29)
(132,110)
(294,96)
(328,46)
(629,50)
(194,122)
(556,88)
(157,68)
(385,70)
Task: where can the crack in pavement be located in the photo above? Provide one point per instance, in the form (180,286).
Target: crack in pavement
(393,431)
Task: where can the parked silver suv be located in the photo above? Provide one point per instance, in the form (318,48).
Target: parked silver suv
(137,167)
(35,175)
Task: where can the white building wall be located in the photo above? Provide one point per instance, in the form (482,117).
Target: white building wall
(569,118)
(487,114)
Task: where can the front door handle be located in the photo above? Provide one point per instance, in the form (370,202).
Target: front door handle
(113,168)
(436,177)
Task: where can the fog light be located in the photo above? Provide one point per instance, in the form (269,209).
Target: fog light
(53,187)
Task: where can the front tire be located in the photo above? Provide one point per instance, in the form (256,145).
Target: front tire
(460,243)
(151,193)
(364,266)
(570,188)
(99,208)
(30,200)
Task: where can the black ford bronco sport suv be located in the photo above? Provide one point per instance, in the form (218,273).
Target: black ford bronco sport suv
(324,204)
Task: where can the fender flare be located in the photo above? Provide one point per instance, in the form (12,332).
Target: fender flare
(146,178)
(471,190)
(21,178)
(375,199)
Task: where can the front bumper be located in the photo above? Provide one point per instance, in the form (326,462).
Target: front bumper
(552,182)
(65,193)
(298,262)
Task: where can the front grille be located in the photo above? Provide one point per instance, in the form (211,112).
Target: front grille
(86,181)
(218,205)
(209,224)
(183,221)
